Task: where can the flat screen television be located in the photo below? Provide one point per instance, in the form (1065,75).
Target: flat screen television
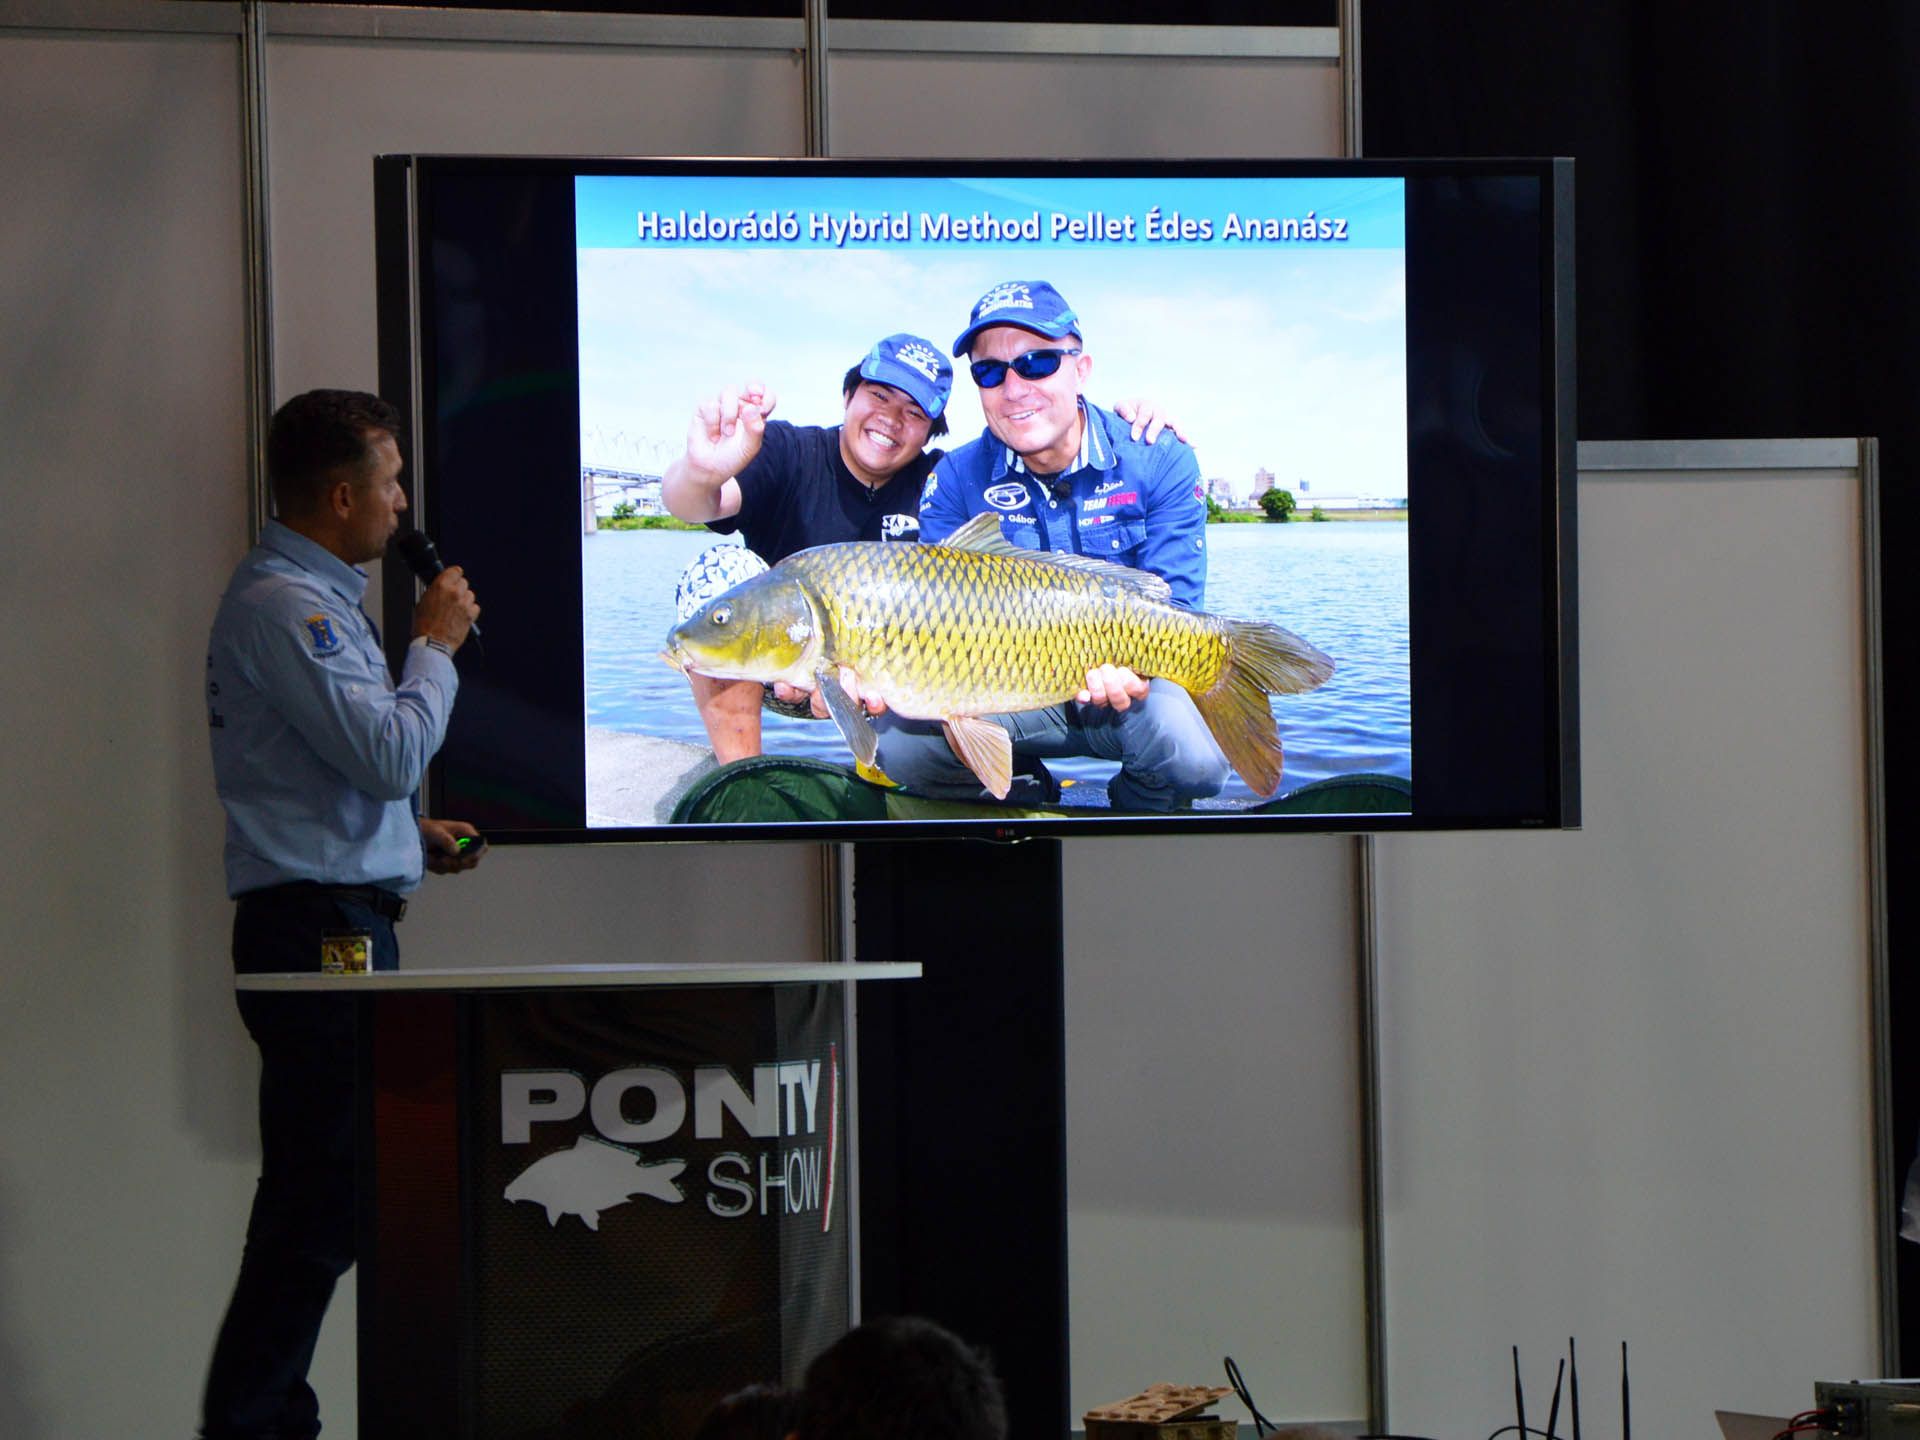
(1370,364)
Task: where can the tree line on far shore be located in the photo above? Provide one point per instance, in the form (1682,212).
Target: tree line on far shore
(1277,507)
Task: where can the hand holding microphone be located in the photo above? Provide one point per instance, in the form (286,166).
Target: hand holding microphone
(447,611)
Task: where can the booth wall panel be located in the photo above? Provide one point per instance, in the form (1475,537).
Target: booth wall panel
(126,1143)
(1213,1120)
(1628,1073)
(1212,1047)
(930,104)
(335,104)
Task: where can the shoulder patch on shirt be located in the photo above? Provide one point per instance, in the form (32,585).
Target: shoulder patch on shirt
(320,635)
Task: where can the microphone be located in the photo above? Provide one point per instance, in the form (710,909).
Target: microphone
(416,547)
(1061,487)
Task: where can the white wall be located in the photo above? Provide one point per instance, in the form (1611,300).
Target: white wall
(129,1147)
(1213,1174)
(1018,91)
(1213,1164)
(335,102)
(1627,1069)
(1629,1088)
(129,1151)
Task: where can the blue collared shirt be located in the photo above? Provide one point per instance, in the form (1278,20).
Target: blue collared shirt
(1126,501)
(316,754)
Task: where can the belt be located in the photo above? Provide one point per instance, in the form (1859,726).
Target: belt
(382,902)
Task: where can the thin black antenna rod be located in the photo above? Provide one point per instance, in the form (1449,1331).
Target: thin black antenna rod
(1519,1395)
(1626,1404)
(1553,1411)
(1573,1375)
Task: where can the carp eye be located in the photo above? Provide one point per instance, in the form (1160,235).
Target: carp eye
(721,615)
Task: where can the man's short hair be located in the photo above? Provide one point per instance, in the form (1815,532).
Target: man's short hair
(317,433)
(851,382)
(898,1377)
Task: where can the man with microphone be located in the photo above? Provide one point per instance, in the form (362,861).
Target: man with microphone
(317,755)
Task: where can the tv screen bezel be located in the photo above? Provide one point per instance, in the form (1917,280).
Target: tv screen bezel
(404,206)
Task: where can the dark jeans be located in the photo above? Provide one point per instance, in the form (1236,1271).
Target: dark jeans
(300,1237)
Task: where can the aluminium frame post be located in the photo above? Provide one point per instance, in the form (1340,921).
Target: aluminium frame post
(259,261)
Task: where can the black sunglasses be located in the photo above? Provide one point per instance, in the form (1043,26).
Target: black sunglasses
(1034,365)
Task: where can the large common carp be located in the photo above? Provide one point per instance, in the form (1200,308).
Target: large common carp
(977,626)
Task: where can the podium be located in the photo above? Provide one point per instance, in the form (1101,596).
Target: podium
(594,1199)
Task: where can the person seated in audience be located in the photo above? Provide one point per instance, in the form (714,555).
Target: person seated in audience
(901,1378)
(759,1412)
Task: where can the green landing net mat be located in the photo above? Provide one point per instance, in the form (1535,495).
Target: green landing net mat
(773,789)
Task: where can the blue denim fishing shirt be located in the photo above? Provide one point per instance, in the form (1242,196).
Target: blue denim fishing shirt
(316,754)
(1125,501)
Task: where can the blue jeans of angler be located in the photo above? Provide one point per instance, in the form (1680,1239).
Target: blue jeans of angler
(1168,757)
(300,1235)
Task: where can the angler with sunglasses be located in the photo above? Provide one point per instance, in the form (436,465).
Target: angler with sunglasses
(1065,475)
(785,487)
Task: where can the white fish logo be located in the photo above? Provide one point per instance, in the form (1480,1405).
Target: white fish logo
(591,1177)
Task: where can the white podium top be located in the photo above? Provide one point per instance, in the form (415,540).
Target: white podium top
(596,977)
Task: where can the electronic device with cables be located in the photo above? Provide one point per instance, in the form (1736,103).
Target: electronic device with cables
(1867,1409)
(1566,1378)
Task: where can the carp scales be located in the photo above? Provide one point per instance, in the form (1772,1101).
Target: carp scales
(976,626)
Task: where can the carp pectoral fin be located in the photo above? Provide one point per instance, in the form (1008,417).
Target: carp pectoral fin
(848,715)
(985,749)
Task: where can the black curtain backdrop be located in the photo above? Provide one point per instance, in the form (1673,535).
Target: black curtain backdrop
(1748,197)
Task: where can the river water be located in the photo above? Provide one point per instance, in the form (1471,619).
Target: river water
(1341,585)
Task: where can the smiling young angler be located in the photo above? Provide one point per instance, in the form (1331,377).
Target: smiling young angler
(787,487)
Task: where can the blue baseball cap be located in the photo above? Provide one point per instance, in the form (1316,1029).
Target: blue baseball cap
(1031,304)
(909,363)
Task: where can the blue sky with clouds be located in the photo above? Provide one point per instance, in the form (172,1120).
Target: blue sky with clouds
(1285,356)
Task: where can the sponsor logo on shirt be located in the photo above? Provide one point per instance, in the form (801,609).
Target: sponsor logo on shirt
(1200,492)
(320,635)
(1101,502)
(926,490)
(1009,496)
(1106,487)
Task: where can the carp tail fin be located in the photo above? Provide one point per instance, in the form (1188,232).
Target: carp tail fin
(1276,659)
(1262,660)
